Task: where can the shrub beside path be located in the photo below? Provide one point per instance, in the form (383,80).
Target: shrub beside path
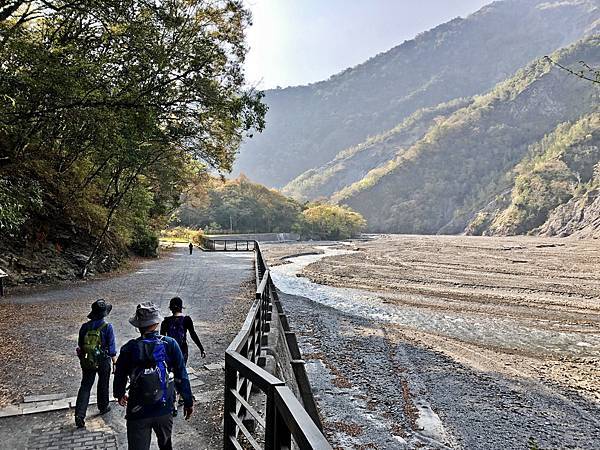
(39,329)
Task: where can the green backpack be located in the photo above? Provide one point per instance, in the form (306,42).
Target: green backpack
(92,353)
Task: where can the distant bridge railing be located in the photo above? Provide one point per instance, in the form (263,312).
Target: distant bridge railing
(228,245)
(286,421)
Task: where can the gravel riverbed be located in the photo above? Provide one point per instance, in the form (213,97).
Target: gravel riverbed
(449,342)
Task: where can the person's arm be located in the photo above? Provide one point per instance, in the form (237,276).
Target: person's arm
(121,374)
(163,327)
(110,341)
(80,340)
(189,324)
(112,346)
(182,381)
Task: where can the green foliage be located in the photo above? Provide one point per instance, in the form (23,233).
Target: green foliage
(238,205)
(109,108)
(181,234)
(330,222)
(17,201)
(145,242)
(444,179)
(532,444)
(310,125)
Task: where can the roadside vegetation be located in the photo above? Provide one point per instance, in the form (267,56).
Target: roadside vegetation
(181,235)
(108,111)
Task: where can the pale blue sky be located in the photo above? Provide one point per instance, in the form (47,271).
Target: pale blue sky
(301,41)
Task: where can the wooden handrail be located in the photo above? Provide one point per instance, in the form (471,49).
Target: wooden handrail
(285,417)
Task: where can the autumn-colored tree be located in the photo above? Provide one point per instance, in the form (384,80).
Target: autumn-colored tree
(330,222)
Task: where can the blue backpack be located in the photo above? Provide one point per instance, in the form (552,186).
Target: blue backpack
(150,383)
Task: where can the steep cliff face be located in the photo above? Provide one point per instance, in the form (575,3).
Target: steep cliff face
(579,217)
(441,182)
(307,126)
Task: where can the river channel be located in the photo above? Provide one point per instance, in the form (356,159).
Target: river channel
(507,333)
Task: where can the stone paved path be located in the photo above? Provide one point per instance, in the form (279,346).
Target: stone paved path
(216,289)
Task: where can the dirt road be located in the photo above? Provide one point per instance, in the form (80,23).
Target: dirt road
(451,342)
(38,332)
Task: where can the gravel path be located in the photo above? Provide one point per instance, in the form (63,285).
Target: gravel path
(38,331)
(451,342)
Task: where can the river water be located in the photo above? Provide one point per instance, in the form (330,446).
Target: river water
(508,333)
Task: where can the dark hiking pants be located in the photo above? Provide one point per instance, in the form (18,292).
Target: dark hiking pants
(139,432)
(87,382)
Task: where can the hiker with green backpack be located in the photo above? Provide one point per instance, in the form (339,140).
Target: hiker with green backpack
(96,349)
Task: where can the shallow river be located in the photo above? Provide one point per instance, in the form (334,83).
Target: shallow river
(483,330)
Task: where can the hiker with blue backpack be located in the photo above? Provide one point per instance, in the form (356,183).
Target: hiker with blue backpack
(95,351)
(148,362)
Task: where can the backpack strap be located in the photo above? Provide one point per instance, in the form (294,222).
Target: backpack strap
(102,326)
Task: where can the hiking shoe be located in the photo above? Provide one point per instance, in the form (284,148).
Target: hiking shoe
(105,410)
(79,422)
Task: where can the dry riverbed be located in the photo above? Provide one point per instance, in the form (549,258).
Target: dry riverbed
(450,342)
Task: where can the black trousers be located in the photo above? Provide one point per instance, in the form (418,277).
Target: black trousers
(87,382)
(139,432)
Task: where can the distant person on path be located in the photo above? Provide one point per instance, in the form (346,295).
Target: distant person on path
(96,348)
(148,362)
(191,246)
(178,326)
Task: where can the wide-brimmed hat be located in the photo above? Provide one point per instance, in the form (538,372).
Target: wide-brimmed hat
(176,304)
(100,309)
(146,314)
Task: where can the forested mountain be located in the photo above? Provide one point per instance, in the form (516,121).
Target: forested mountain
(307,126)
(442,181)
(353,164)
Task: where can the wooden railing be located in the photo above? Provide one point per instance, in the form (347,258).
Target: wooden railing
(286,423)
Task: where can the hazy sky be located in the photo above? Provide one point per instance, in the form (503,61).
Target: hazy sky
(301,41)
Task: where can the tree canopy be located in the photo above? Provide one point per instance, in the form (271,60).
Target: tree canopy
(238,205)
(108,107)
(330,222)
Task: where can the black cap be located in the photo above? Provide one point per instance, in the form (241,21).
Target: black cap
(176,304)
(100,309)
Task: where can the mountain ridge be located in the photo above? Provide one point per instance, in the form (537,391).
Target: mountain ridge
(308,125)
(445,178)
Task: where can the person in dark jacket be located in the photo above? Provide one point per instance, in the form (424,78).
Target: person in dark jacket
(101,364)
(178,326)
(191,247)
(139,358)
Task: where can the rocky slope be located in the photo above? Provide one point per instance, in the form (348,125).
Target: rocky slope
(579,217)
(557,182)
(308,125)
